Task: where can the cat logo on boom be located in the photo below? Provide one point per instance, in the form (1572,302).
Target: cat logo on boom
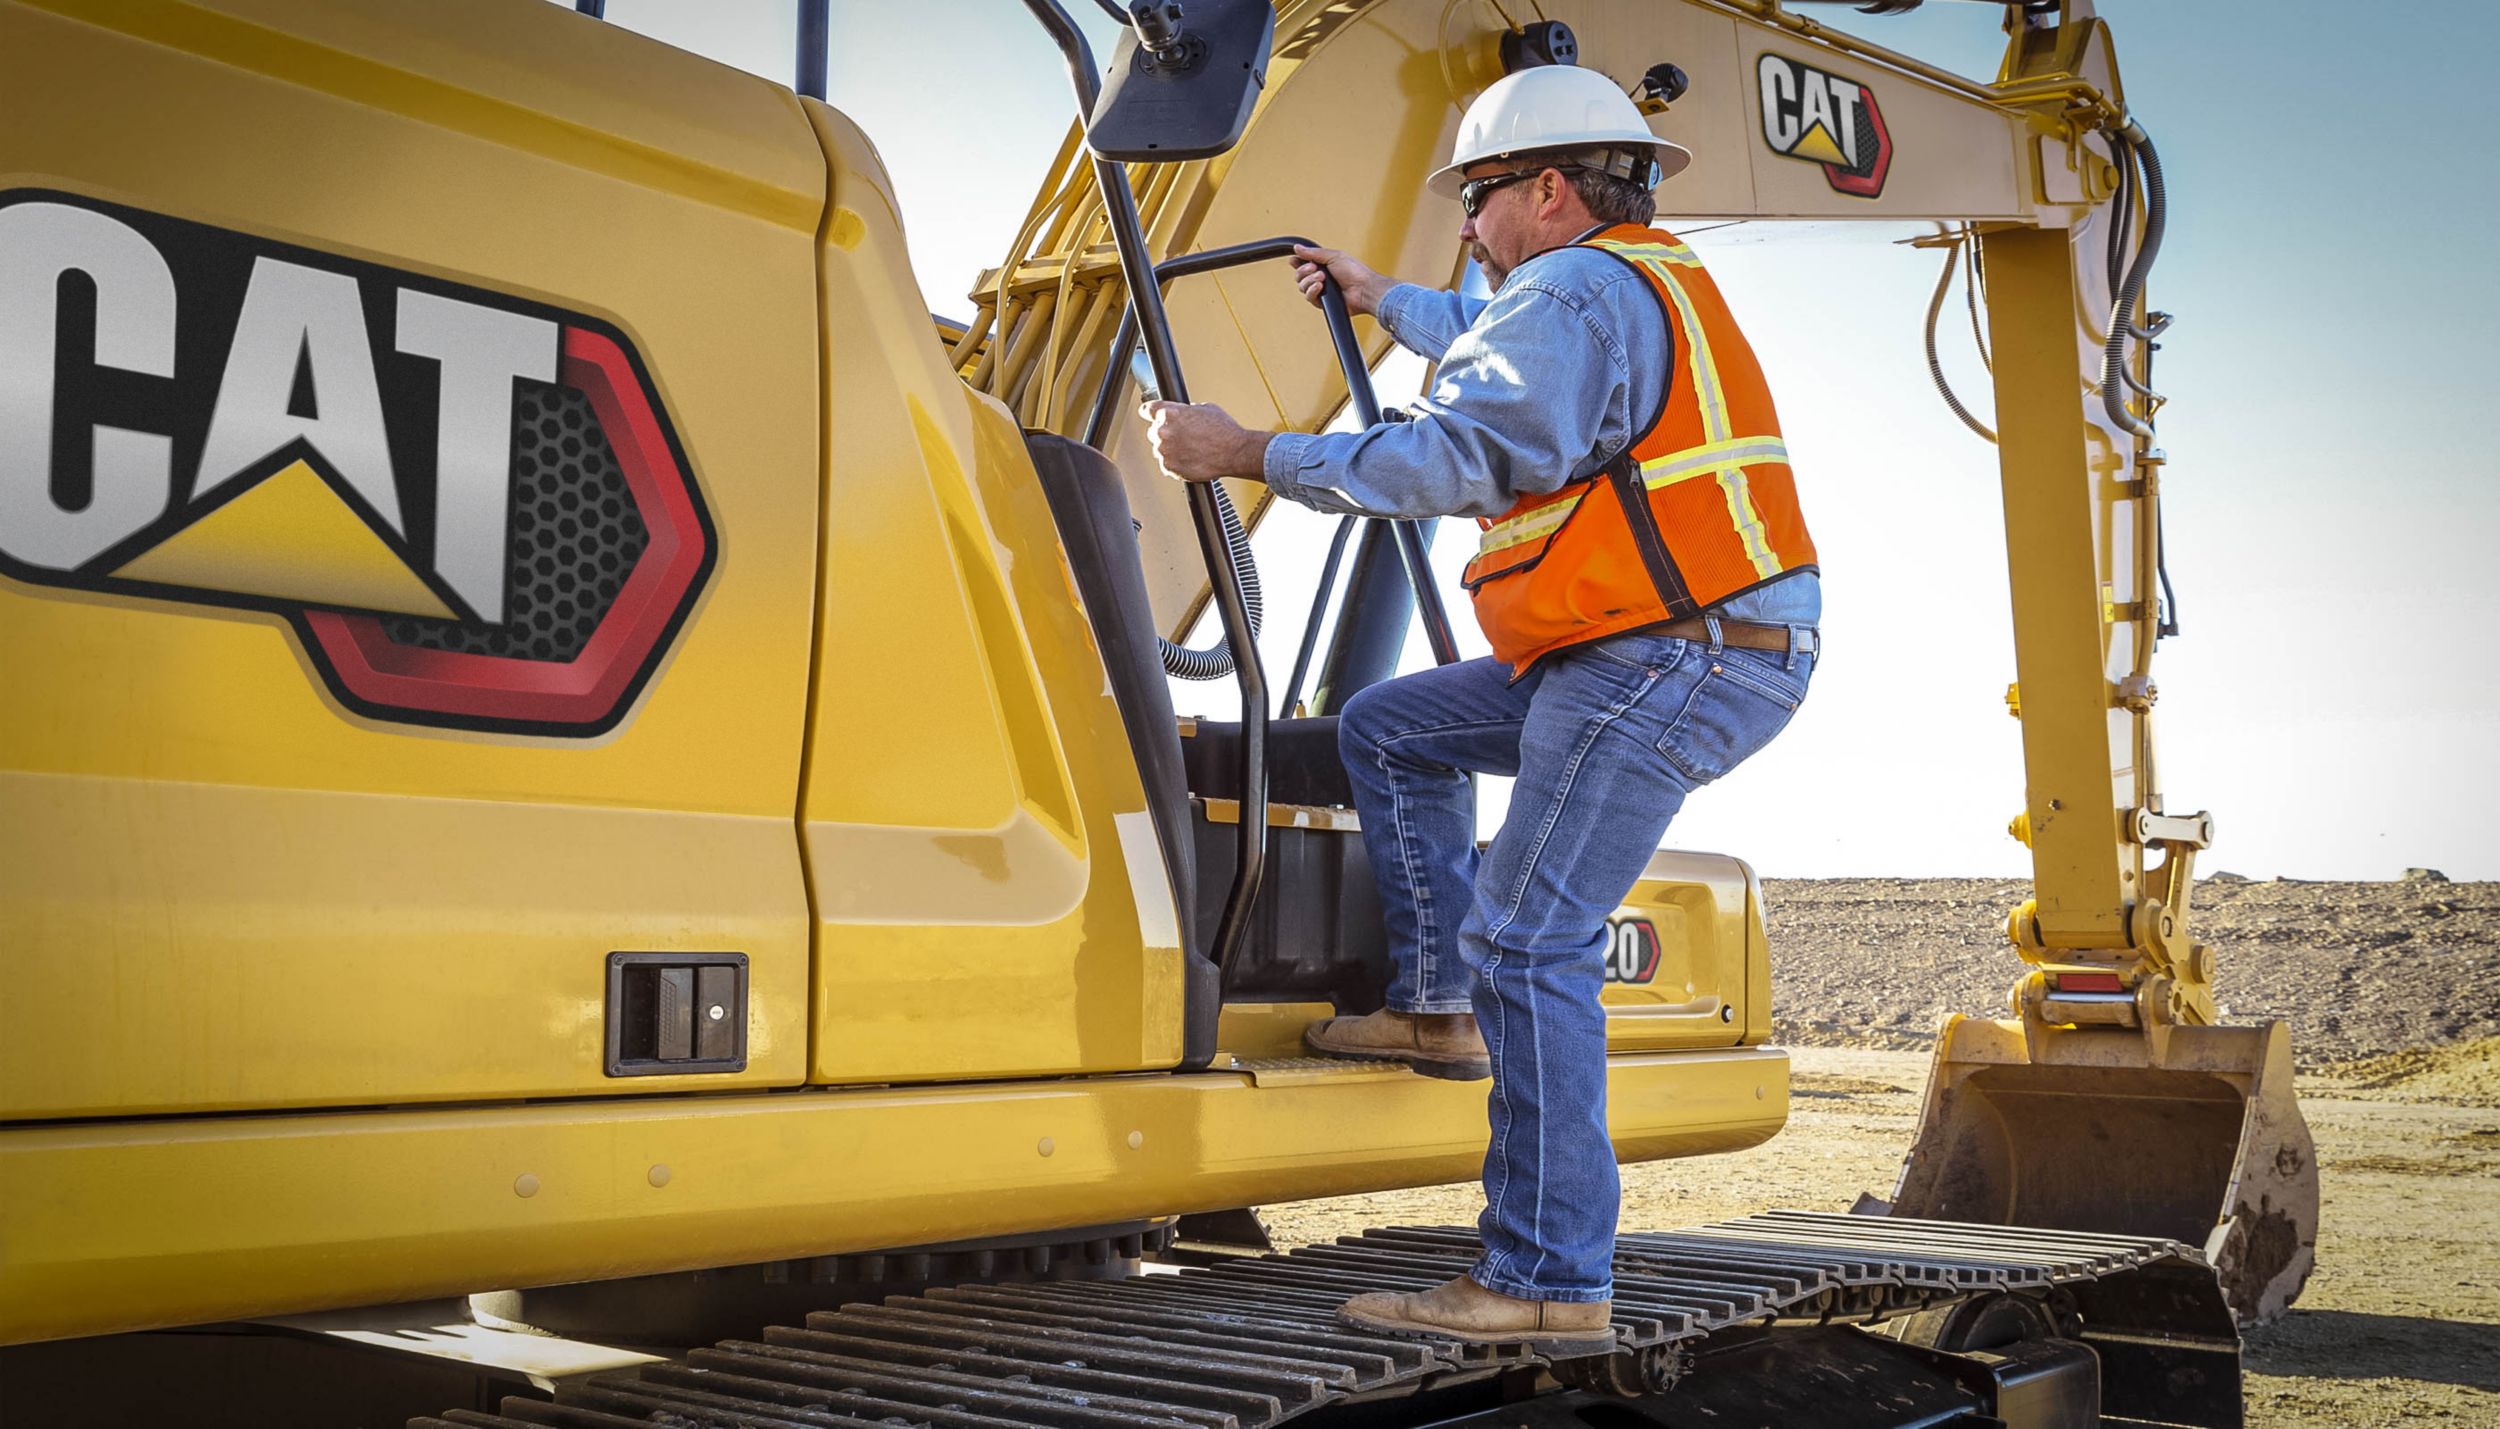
(1823,119)
(472,509)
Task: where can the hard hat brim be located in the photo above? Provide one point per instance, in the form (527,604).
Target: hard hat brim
(1673,159)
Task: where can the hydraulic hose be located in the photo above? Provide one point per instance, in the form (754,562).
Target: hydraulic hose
(2122,326)
(1975,282)
(1935,364)
(1216,661)
(2122,221)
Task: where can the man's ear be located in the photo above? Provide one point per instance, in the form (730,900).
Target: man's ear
(1549,202)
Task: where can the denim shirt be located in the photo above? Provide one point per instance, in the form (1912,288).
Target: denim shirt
(1537,388)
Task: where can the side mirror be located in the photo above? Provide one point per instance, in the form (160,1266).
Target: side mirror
(1183,80)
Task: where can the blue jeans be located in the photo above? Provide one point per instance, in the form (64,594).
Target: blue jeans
(1605,739)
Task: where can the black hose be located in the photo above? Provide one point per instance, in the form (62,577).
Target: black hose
(2122,214)
(2122,326)
(1216,661)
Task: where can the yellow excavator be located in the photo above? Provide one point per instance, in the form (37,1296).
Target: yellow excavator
(593,829)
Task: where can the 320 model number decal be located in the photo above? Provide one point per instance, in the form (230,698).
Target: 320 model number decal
(1631,950)
(472,508)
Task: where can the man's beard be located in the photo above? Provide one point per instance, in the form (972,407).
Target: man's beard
(1494,273)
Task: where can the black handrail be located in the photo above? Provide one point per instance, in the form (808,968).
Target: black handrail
(1146,317)
(815,47)
(1359,391)
(1319,607)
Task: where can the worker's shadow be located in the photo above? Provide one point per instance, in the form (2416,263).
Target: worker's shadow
(2346,1344)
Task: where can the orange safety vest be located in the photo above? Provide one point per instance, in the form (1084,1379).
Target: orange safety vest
(1711,503)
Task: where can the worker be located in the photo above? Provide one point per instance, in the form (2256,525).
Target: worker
(1650,593)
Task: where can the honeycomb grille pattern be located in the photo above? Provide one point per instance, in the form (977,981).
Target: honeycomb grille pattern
(575,537)
(1870,145)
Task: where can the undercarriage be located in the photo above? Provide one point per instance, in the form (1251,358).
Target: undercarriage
(1774,1319)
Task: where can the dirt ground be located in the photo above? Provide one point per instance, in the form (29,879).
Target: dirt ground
(2360,969)
(2394,994)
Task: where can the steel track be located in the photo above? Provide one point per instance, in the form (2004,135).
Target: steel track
(1252,1343)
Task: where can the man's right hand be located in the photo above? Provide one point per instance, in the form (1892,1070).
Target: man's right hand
(1363,288)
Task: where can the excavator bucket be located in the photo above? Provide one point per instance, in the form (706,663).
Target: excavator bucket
(2195,1137)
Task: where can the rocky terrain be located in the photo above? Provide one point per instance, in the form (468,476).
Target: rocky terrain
(2360,969)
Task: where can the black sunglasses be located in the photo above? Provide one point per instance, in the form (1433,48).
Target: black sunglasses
(1473,193)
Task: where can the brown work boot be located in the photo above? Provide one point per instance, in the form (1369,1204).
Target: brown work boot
(1464,1310)
(1436,1044)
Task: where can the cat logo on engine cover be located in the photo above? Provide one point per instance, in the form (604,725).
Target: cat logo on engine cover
(472,508)
(1824,119)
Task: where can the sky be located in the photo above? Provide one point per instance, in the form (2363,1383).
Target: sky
(2330,502)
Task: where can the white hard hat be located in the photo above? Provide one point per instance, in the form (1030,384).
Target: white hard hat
(1551,107)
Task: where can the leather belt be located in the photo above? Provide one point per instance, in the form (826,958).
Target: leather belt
(1743,634)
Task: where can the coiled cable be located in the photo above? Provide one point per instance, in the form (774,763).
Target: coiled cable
(1216,661)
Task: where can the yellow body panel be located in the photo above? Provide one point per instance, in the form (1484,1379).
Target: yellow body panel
(988,894)
(223,891)
(115,1227)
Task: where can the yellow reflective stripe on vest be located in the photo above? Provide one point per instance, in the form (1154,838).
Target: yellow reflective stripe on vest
(1677,254)
(1656,473)
(1713,399)
(1518,530)
(1708,460)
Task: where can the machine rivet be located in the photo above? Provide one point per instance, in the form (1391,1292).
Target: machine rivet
(1727,1012)
(659,1175)
(1046,1146)
(1757,1094)
(526,1186)
(717,1012)
(1136,1139)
